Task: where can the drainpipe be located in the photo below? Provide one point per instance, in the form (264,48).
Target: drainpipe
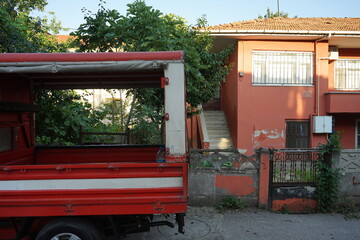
(317,83)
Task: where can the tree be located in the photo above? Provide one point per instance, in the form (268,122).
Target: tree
(146,29)
(20,32)
(62,114)
(143,28)
(271,14)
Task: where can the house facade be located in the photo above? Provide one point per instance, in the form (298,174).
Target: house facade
(294,81)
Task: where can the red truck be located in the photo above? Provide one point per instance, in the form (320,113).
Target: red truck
(88,192)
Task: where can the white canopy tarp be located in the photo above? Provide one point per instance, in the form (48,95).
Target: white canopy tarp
(81,67)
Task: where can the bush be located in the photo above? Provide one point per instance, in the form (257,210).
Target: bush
(327,178)
(348,208)
(231,203)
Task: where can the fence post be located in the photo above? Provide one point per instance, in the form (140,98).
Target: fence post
(264,171)
(128,135)
(80,135)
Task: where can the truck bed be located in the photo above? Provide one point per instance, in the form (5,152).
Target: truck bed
(93,180)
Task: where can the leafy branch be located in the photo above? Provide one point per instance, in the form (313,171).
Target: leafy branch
(328,177)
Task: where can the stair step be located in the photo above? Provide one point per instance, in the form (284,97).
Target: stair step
(220,145)
(215,117)
(216,124)
(219,135)
(218,130)
(214,113)
(212,118)
(218,139)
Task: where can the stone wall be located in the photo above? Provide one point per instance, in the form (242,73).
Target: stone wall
(215,174)
(348,163)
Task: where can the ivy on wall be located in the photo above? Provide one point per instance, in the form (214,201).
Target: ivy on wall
(328,177)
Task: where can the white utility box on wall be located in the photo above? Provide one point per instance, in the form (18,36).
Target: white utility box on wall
(322,124)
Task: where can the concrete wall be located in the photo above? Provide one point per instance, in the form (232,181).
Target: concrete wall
(248,178)
(211,178)
(208,188)
(348,163)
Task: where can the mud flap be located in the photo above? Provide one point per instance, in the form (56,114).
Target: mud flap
(180,219)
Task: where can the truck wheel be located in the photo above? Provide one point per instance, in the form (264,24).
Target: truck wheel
(69,229)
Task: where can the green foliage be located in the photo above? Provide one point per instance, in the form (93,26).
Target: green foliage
(227,164)
(147,125)
(143,28)
(61,116)
(348,208)
(231,202)
(206,163)
(271,14)
(328,178)
(24,5)
(20,32)
(284,209)
(115,109)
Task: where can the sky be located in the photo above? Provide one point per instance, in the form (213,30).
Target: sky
(217,12)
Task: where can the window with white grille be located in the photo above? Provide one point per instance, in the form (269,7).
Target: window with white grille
(347,74)
(282,68)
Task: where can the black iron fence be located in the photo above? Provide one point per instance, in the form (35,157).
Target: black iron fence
(293,167)
(94,138)
(222,160)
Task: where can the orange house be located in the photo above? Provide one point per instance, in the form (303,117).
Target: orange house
(294,81)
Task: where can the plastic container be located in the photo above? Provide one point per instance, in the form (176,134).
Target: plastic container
(160,155)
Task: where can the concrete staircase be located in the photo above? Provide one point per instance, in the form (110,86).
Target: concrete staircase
(217,129)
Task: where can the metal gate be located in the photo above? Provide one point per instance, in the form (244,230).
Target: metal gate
(292,174)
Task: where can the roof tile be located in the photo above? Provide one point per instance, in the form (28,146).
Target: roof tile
(294,24)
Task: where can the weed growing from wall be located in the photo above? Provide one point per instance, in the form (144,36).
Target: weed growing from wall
(328,178)
(348,208)
(231,202)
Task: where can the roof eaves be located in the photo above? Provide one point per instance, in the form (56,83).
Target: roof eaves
(286,32)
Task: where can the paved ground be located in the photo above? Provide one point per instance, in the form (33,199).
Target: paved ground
(252,223)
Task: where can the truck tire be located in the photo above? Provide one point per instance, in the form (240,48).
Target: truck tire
(69,229)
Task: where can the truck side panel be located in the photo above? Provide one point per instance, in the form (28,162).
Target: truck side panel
(92,189)
(96,154)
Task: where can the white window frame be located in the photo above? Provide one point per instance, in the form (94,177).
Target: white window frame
(357,134)
(347,74)
(289,68)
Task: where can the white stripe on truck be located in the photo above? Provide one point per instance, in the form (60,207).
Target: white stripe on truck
(86,184)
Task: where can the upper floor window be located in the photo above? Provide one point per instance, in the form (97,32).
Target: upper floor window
(282,68)
(347,74)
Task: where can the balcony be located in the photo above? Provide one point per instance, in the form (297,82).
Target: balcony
(342,102)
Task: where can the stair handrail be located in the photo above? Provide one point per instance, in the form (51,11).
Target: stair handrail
(204,136)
